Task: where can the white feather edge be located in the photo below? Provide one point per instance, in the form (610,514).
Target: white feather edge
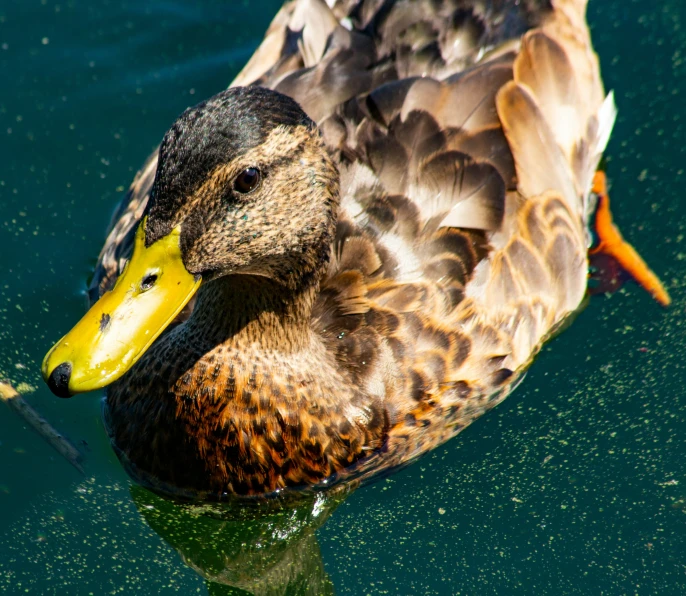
(471,213)
(605,117)
(607,114)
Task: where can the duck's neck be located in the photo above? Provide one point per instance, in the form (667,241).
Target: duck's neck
(244,311)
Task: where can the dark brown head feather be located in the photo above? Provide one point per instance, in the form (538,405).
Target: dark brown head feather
(210,134)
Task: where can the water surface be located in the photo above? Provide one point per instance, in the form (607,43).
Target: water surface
(576,484)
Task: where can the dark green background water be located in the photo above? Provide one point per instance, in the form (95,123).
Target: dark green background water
(575,485)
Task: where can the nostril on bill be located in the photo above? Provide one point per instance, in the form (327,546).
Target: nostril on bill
(59,380)
(104,322)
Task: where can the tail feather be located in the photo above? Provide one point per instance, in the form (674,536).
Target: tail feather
(539,160)
(557,84)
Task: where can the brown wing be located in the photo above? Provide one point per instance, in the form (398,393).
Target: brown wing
(467,135)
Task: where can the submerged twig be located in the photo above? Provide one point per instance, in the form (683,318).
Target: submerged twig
(14,400)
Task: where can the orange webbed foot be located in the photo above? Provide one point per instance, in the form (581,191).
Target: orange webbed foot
(616,253)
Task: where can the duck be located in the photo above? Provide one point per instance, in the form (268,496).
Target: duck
(353,252)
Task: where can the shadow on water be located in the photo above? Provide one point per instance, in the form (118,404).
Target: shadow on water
(260,549)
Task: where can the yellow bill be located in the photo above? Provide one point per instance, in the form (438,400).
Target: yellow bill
(153,288)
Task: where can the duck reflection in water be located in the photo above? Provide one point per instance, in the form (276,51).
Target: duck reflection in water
(261,548)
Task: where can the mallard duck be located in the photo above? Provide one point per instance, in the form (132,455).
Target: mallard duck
(352,253)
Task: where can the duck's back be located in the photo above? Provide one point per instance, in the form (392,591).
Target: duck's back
(466,134)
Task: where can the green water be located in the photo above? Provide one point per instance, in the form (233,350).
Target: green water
(575,485)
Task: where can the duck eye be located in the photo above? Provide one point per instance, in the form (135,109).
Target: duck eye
(148,282)
(247,180)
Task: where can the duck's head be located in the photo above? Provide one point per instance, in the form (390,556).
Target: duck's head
(243,186)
